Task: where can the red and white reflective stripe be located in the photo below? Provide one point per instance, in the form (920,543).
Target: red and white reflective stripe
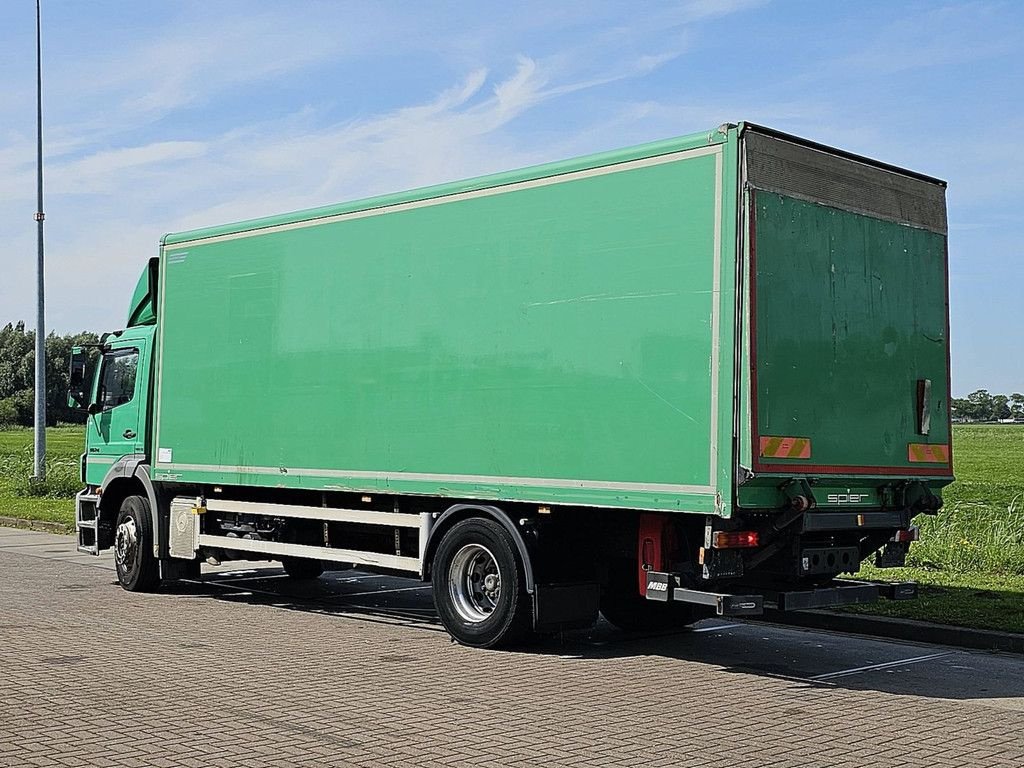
(923,452)
(786,447)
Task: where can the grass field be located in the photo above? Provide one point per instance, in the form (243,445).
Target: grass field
(970,559)
(969,562)
(52,501)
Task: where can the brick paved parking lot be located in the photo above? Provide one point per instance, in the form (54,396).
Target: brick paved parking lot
(249,669)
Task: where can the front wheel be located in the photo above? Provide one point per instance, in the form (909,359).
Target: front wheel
(479,588)
(137,568)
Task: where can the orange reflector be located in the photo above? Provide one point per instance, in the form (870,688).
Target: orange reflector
(938,454)
(733,539)
(786,447)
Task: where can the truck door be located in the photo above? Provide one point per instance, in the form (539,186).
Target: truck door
(850,345)
(114,430)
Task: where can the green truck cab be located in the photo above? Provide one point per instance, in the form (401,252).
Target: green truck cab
(708,374)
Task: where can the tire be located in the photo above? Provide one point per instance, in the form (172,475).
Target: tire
(479,587)
(624,606)
(137,568)
(302,569)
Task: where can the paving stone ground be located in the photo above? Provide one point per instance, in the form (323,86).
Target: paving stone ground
(243,670)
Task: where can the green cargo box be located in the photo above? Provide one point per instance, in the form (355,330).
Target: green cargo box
(675,326)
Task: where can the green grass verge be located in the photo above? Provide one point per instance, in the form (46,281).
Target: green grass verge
(981,527)
(969,562)
(977,600)
(52,500)
(970,559)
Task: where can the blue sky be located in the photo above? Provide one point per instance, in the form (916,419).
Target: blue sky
(162,116)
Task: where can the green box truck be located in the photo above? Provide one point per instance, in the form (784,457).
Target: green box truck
(704,375)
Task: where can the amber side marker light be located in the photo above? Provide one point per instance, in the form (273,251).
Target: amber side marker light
(734,539)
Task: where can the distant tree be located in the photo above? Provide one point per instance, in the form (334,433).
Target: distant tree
(8,413)
(961,409)
(17,375)
(1017,405)
(981,405)
(1000,407)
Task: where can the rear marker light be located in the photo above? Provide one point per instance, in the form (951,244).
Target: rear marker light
(734,539)
(913,533)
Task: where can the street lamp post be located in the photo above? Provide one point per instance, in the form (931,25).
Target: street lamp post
(39,467)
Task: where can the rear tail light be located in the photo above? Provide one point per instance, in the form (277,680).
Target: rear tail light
(913,533)
(734,539)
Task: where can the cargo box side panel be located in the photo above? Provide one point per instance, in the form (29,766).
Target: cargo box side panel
(850,352)
(550,340)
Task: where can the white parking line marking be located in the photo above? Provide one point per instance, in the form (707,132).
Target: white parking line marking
(229,577)
(381,591)
(884,665)
(422,622)
(249,575)
(226,585)
(716,628)
(276,594)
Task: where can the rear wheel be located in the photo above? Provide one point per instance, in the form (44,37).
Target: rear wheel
(302,569)
(137,568)
(479,587)
(624,606)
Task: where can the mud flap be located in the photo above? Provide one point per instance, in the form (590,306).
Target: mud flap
(892,555)
(558,607)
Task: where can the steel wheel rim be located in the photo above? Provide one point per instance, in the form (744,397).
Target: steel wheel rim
(474,583)
(126,544)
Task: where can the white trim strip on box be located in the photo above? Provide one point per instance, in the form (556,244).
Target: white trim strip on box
(629,165)
(357,474)
(370,516)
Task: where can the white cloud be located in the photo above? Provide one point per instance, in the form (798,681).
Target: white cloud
(116,180)
(109,171)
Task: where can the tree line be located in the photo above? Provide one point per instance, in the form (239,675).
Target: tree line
(981,405)
(17,375)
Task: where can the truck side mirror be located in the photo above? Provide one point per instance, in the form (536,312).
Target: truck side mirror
(78,379)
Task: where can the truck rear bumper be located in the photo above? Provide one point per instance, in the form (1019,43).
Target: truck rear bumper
(748,601)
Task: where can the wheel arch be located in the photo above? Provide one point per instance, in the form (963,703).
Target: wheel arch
(459,512)
(129,476)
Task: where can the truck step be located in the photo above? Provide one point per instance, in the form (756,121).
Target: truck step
(87,522)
